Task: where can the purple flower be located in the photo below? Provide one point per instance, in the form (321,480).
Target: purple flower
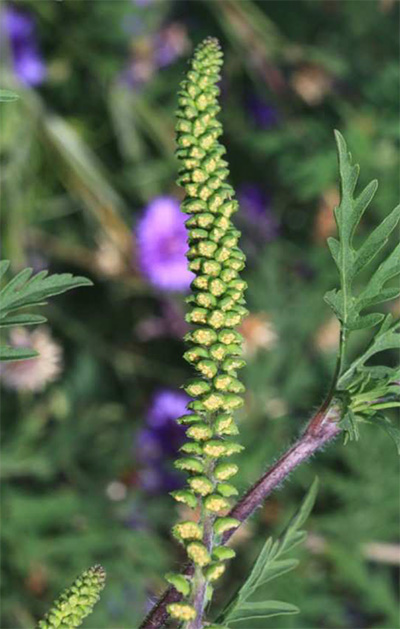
(158,443)
(28,65)
(256,206)
(162,244)
(263,114)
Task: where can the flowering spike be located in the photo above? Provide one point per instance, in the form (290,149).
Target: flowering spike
(215,309)
(76,602)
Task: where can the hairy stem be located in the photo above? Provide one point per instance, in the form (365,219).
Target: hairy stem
(323,428)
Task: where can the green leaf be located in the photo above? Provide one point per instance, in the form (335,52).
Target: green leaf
(346,305)
(21,319)
(266,609)
(391,430)
(7,96)
(269,565)
(24,290)
(387,338)
(16,353)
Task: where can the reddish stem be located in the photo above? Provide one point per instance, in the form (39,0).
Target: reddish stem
(323,427)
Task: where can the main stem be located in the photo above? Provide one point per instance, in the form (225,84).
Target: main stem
(323,427)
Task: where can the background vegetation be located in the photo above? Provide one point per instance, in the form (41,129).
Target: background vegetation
(88,444)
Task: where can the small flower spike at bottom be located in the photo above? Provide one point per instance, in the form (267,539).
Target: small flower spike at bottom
(216,306)
(76,602)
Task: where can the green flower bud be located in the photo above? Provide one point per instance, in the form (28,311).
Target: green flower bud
(215,449)
(227,490)
(229,208)
(186,497)
(205,220)
(232,448)
(206,300)
(179,582)
(218,351)
(215,571)
(227,275)
(231,364)
(207,368)
(195,265)
(223,223)
(232,402)
(234,348)
(216,234)
(217,287)
(238,284)
(196,388)
(222,525)
(225,425)
(222,254)
(184,126)
(216,503)
(213,402)
(200,282)
(216,319)
(224,471)
(203,336)
(235,386)
(227,337)
(197,406)
(226,303)
(191,418)
(207,248)
(199,432)
(191,447)
(187,530)
(211,267)
(234,264)
(222,382)
(181,611)
(223,553)
(189,464)
(197,315)
(201,485)
(198,234)
(76,602)
(232,319)
(198,553)
(191,206)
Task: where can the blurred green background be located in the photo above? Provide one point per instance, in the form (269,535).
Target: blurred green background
(88,434)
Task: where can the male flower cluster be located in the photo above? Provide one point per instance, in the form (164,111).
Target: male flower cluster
(216,308)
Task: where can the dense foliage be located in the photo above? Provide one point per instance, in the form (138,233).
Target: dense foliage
(87,164)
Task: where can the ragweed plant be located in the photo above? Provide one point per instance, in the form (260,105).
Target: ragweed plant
(359,392)
(216,308)
(76,602)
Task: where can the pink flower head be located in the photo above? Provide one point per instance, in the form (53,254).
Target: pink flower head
(35,373)
(162,244)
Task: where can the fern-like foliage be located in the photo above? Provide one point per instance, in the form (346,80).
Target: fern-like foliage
(76,602)
(271,563)
(365,390)
(28,290)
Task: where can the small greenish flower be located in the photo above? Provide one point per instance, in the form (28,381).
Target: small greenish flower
(187,530)
(221,525)
(76,602)
(182,611)
(216,503)
(223,553)
(198,553)
(179,581)
(224,471)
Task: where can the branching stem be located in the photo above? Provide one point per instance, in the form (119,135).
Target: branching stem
(323,428)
